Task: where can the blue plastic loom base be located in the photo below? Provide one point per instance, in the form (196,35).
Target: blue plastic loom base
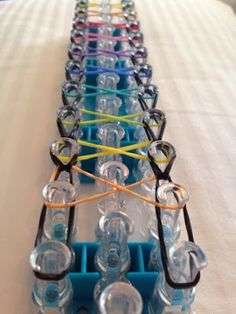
(84,275)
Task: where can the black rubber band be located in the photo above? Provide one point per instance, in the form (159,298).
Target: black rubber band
(164,256)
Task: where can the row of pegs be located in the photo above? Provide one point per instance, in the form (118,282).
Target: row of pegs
(107,71)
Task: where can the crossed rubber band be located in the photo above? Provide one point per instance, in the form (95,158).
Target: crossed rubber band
(109,118)
(107,150)
(106,91)
(96,70)
(98,13)
(91,24)
(92,37)
(95,4)
(117,188)
(94,52)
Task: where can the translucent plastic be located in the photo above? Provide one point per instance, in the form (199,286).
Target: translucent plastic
(109,105)
(114,229)
(71,90)
(168,193)
(120,298)
(52,257)
(164,151)
(185,260)
(65,149)
(156,120)
(110,134)
(108,80)
(113,256)
(56,220)
(70,118)
(116,172)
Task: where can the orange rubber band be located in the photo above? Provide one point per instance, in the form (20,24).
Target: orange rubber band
(99,195)
(116,186)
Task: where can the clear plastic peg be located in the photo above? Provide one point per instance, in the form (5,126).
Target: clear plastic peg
(81,12)
(108,80)
(68,120)
(115,172)
(105,43)
(133,106)
(185,261)
(136,39)
(71,90)
(113,251)
(78,36)
(108,62)
(144,210)
(107,28)
(133,26)
(168,194)
(163,155)
(79,22)
(57,219)
(82,3)
(120,298)
(109,104)
(130,15)
(52,290)
(139,55)
(113,256)
(77,52)
(156,121)
(105,6)
(66,150)
(110,134)
(128,6)
(74,69)
(150,93)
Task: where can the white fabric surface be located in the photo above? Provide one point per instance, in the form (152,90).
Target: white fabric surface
(192,48)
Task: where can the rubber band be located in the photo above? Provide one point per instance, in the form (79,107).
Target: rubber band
(114,118)
(108,117)
(54,174)
(116,151)
(107,150)
(121,92)
(100,70)
(91,24)
(94,52)
(98,13)
(114,185)
(95,4)
(119,118)
(92,37)
(94,197)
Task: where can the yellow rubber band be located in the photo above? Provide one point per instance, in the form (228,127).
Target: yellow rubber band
(113,118)
(112,150)
(109,118)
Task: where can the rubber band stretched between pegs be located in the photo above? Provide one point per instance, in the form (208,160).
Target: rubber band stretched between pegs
(105,91)
(116,187)
(91,24)
(112,150)
(95,4)
(96,70)
(92,37)
(109,118)
(109,151)
(94,52)
(94,197)
(98,13)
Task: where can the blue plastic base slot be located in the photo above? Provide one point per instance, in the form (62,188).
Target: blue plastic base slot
(84,275)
